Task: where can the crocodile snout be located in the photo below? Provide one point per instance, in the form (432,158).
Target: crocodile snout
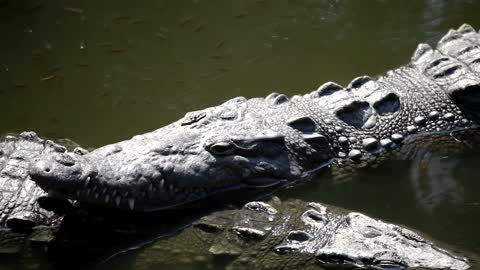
(51,165)
(41,168)
(51,169)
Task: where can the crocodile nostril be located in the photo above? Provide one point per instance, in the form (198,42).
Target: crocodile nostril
(47,170)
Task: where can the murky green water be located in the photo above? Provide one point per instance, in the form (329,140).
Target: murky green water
(102,71)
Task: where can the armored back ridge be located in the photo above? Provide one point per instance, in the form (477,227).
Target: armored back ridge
(272,141)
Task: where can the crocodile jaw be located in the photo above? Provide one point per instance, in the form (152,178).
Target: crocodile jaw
(138,186)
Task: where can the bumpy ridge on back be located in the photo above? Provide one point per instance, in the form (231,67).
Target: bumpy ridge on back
(420,97)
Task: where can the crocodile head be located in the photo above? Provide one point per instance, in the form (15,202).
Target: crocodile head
(224,148)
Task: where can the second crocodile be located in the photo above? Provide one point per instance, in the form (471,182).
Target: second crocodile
(296,235)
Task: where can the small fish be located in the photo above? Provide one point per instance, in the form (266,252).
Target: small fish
(241,15)
(185,20)
(20,85)
(198,28)
(117,50)
(50,77)
(216,56)
(48,45)
(160,35)
(136,21)
(163,29)
(220,44)
(122,17)
(47,78)
(73,10)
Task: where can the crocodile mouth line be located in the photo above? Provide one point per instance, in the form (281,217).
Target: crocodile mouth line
(163,194)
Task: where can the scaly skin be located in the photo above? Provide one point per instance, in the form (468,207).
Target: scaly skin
(20,213)
(272,141)
(295,235)
(18,193)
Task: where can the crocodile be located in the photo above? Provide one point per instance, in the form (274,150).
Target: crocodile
(294,234)
(260,143)
(22,217)
(274,234)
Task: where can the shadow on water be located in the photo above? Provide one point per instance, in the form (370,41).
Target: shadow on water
(102,71)
(90,238)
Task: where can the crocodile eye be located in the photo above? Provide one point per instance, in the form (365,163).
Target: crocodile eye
(193,117)
(221,148)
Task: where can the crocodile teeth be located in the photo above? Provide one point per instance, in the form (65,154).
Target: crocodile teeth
(131,203)
(78,193)
(117,201)
(87,192)
(150,188)
(162,183)
(107,198)
(87,181)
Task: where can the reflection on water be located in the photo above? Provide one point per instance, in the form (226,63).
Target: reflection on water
(432,181)
(102,71)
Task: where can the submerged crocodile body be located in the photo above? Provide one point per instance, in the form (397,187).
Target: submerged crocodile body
(265,142)
(292,234)
(296,235)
